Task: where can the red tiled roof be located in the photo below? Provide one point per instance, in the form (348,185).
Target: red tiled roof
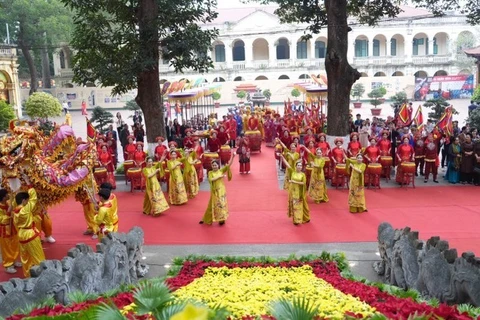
(473,52)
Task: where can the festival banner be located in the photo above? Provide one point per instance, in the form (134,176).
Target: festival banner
(445,123)
(418,119)
(448,87)
(91,131)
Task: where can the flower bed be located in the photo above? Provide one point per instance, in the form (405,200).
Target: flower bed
(247,289)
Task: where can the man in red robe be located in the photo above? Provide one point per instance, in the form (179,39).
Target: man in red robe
(232,130)
(213,143)
(431,154)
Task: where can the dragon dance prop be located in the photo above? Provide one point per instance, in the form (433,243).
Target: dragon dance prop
(57,166)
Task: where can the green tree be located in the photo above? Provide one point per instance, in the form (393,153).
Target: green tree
(42,105)
(476,95)
(241,95)
(295,93)
(375,95)
(438,108)
(37,27)
(216,96)
(465,40)
(474,118)
(6,115)
(101,118)
(357,91)
(333,14)
(399,98)
(267,94)
(118,44)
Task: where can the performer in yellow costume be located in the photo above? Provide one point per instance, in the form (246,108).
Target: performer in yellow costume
(154,202)
(31,251)
(297,195)
(317,190)
(291,156)
(8,235)
(356,194)
(113,201)
(176,186)
(190,173)
(217,210)
(106,218)
(43,222)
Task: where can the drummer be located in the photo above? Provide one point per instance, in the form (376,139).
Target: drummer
(405,153)
(338,156)
(222,134)
(160,148)
(188,142)
(371,154)
(213,144)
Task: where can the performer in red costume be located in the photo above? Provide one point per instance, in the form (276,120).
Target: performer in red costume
(385,145)
(222,135)
(105,158)
(419,148)
(372,152)
(354,146)
(338,156)
(140,156)
(160,148)
(405,153)
(323,144)
(253,123)
(188,140)
(213,143)
(431,154)
(232,130)
(130,148)
(199,151)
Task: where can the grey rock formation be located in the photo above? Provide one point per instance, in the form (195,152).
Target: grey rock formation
(118,260)
(432,268)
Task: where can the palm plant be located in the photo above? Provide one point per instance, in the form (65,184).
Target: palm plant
(298,309)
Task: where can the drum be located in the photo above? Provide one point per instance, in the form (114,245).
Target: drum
(208,157)
(225,154)
(134,173)
(374,168)
(100,172)
(408,167)
(386,161)
(341,169)
(326,169)
(255,140)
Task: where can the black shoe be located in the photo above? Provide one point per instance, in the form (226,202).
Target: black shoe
(221,223)
(296,223)
(416,174)
(436,181)
(200,222)
(425,181)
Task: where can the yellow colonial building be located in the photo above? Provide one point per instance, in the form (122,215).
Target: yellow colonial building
(9,84)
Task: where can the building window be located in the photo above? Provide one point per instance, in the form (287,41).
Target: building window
(361,48)
(376,48)
(302,50)
(220,53)
(320,50)
(62,60)
(283,49)
(238,51)
(435,46)
(393,47)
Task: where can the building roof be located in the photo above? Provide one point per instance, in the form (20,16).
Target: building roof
(473,52)
(233,15)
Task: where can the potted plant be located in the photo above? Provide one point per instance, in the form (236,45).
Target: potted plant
(241,95)
(375,95)
(383,91)
(216,96)
(267,95)
(295,93)
(357,92)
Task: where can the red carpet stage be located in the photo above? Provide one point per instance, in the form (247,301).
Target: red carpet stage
(258,215)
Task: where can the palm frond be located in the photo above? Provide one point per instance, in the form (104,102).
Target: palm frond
(297,309)
(152,297)
(106,312)
(168,311)
(79,296)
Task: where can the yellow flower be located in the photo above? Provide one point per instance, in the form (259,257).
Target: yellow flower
(191,312)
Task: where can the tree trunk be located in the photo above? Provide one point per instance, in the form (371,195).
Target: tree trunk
(340,74)
(46,77)
(31,67)
(148,97)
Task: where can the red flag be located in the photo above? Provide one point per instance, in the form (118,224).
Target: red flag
(445,123)
(403,114)
(91,131)
(418,119)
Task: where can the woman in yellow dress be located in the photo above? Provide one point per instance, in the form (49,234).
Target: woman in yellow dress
(190,173)
(291,155)
(217,209)
(317,190)
(177,193)
(356,194)
(297,196)
(154,201)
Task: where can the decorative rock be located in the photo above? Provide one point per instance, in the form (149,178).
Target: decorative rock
(118,261)
(432,268)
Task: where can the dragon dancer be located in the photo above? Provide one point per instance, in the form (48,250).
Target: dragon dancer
(9,244)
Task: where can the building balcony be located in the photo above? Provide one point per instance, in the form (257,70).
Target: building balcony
(361,61)
(7,51)
(397,61)
(420,59)
(66,73)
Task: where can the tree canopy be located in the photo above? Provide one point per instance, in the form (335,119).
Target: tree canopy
(36,26)
(118,43)
(42,105)
(333,14)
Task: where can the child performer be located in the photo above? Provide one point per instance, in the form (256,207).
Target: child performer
(244,159)
(9,244)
